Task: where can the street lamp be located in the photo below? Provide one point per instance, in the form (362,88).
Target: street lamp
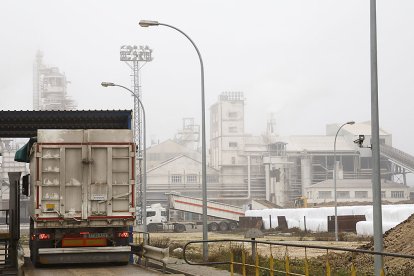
(334,177)
(144,177)
(149,23)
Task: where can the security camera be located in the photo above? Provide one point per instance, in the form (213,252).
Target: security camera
(360,140)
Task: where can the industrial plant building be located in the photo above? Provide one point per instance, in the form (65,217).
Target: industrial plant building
(244,167)
(50,87)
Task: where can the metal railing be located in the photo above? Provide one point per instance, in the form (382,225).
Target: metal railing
(141,247)
(139,237)
(285,264)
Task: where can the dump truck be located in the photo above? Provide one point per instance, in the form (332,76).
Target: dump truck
(222,216)
(82,196)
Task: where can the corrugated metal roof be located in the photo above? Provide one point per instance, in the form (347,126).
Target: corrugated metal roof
(362,128)
(24,124)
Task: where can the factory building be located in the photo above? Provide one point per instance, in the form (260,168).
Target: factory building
(282,169)
(50,87)
(269,168)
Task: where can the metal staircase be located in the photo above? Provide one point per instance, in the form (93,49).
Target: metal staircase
(398,157)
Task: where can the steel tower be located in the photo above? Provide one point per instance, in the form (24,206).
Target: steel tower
(136,57)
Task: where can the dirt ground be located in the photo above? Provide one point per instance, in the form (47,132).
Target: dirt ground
(396,240)
(265,250)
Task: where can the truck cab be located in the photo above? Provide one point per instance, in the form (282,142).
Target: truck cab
(156,214)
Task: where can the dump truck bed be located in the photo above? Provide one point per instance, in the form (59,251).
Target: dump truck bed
(82,178)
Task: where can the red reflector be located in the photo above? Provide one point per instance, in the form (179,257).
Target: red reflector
(44,236)
(123,235)
(84,233)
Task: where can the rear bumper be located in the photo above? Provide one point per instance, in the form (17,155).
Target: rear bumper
(108,254)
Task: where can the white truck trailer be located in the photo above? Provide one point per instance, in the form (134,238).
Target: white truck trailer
(222,216)
(82,196)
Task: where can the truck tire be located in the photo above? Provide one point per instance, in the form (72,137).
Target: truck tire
(34,257)
(223,226)
(232,226)
(152,228)
(213,226)
(179,228)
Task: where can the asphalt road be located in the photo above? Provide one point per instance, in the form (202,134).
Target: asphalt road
(86,270)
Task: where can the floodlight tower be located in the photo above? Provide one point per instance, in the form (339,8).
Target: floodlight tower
(136,57)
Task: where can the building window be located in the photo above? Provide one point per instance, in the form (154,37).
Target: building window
(233,160)
(233,144)
(343,194)
(325,194)
(192,178)
(383,194)
(176,178)
(232,114)
(361,194)
(212,178)
(397,194)
(232,129)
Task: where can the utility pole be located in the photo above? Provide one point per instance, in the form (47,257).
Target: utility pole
(376,170)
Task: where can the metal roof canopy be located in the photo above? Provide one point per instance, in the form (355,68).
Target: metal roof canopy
(24,124)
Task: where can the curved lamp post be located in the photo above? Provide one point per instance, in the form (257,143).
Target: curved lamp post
(334,177)
(149,23)
(144,177)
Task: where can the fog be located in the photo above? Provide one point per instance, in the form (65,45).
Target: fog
(305,60)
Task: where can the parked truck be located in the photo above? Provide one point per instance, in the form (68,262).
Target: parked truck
(82,196)
(222,216)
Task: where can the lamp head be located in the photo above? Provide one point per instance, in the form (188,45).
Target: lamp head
(148,23)
(350,123)
(106,84)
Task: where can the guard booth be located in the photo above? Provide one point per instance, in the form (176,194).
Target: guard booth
(24,124)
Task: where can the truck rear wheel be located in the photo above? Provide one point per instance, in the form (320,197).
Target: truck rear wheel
(179,228)
(232,226)
(223,226)
(213,226)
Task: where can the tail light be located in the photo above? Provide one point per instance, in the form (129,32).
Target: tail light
(43,236)
(123,235)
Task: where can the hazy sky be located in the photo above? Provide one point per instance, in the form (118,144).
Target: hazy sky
(307,61)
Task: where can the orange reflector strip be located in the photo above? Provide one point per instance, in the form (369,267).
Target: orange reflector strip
(84,242)
(95,242)
(72,242)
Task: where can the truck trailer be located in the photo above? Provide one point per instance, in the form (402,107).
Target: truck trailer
(222,216)
(82,196)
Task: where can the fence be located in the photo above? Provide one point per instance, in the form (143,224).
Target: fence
(238,257)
